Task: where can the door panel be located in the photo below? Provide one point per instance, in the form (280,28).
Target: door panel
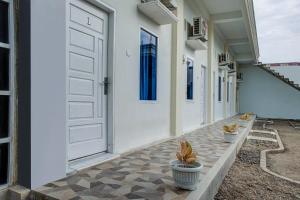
(81,39)
(81,63)
(220,104)
(203,94)
(87,103)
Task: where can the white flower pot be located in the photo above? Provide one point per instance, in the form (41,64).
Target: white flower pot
(186,176)
(230,138)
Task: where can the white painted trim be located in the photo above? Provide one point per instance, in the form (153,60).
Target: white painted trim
(5,93)
(5,140)
(157,72)
(86,162)
(205,93)
(4,45)
(110,72)
(193,99)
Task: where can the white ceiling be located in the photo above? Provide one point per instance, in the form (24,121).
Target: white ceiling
(221,6)
(230,29)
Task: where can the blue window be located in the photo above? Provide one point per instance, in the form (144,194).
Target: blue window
(227,91)
(190,79)
(148,66)
(220,89)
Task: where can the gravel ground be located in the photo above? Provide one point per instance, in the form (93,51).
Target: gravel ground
(247,181)
(288,162)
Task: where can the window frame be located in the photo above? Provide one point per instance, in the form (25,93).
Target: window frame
(220,88)
(228,92)
(141,28)
(193,80)
(10,92)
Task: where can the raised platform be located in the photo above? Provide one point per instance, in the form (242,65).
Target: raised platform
(145,174)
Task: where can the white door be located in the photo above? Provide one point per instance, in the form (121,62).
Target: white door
(229,97)
(219,112)
(87,72)
(203,94)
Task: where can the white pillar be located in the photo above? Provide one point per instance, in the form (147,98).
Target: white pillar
(211,69)
(177,91)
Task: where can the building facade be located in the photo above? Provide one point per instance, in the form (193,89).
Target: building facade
(83,81)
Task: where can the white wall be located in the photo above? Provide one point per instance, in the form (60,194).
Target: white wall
(291,72)
(192,108)
(219,106)
(48,91)
(136,122)
(267,96)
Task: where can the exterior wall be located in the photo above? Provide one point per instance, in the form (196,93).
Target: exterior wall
(135,123)
(267,96)
(48,91)
(191,115)
(291,72)
(219,107)
(138,122)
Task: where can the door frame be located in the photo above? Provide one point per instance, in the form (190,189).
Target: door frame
(205,94)
(220,105)
(111,12)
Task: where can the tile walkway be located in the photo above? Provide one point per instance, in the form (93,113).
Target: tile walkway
(144,174)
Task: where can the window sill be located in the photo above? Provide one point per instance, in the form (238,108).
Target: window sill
(148,101)
(191,101)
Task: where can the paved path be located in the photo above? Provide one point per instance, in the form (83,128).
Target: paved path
(144,174)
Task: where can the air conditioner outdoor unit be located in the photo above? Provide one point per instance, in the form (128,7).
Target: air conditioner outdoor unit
(200,28)
(224,59)
(170,4)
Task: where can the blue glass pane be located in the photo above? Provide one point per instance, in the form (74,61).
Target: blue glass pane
(190,79)
(3,22)
(148,66)
(220,89)
(4,69)
(4,116)
(3,163)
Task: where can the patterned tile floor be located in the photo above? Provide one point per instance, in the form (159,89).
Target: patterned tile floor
(144,174)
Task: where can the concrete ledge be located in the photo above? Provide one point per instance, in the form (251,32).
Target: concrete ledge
(261,138)
(211,182)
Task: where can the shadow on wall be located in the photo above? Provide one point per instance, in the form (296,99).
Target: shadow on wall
(266,95)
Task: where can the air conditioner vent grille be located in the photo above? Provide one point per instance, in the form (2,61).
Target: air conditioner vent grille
(197,26)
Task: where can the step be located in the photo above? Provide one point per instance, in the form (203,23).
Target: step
(18,193)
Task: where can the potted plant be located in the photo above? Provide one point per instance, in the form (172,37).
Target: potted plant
(244,119)
(230,133)
(186,170)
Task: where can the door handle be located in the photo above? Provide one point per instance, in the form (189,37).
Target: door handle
(105,83)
